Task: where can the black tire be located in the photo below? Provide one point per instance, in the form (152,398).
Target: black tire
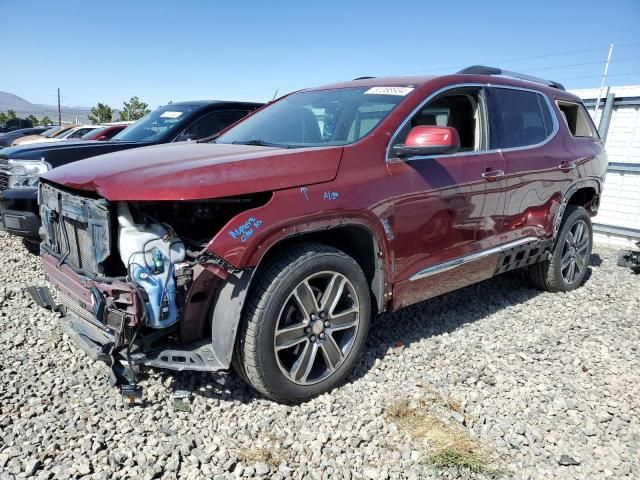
(32,245)
(256,357)
(550,274)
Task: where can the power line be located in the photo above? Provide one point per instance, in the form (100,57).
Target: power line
(511,60)
(598,76)
(288,88)
(599,62)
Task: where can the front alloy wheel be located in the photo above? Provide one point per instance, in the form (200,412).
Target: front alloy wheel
(317,327)
(305,323)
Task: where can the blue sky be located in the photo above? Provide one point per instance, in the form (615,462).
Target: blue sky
(161,50)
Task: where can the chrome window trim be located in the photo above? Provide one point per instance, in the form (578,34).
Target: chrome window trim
(457,262)
(554,117)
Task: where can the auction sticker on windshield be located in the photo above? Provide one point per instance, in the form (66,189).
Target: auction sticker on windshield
(401,91)
(170,114)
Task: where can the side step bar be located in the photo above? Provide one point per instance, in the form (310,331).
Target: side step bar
(523,255)
(523,244)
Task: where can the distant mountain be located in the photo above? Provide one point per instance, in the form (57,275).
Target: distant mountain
(23,108)
(9,100)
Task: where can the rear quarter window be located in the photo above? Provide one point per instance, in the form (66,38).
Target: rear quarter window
(577,119)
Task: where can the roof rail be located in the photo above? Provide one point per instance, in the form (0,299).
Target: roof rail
(482,70)
(362,78)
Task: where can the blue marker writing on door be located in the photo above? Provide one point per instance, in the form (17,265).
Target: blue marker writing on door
(330,195)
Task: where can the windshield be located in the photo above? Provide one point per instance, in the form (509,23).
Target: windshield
(317,118)
(50,132)
(60,133)
(80,132)
(157,124)
(66,133)
(94,133)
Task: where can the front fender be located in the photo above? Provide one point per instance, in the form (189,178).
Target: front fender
(245,239)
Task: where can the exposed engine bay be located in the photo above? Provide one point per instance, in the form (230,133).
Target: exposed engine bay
(195,222)
(151,253)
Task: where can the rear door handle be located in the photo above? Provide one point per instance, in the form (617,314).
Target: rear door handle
(566,166)
(493,175)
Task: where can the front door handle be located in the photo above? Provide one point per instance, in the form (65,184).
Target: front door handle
(493,175)
(566,166)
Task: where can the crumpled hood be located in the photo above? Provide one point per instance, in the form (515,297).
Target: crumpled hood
(191,171)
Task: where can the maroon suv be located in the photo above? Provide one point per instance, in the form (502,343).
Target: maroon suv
(271,247)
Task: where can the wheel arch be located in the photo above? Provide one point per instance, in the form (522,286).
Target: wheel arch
(585,193)
(356,238)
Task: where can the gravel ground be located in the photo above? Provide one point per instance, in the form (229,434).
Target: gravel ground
(540,379)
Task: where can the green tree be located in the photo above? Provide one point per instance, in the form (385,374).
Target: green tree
(46,121)
(33,119)
(133,109)
(101,113)
(3,117)
(11,114)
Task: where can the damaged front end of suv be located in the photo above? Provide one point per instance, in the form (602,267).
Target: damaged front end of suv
(152,259)
(252,252)
(135,280)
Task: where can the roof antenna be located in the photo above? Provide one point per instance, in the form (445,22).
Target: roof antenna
(275,95)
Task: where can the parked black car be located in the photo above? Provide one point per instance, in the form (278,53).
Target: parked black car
(6,139)
(15,124)
(21,166)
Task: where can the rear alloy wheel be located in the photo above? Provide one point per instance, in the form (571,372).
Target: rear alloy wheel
(574,252)
(569,262)
(306,322)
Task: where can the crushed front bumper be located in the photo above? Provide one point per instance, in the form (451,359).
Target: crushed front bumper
(106,331)
(82,296)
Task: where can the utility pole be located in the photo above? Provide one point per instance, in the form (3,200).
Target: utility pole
(59,112)
(604,78)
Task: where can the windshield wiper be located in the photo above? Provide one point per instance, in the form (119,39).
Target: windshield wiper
(209,139)
(259,143)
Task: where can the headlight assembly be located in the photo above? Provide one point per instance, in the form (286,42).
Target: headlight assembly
(24,173)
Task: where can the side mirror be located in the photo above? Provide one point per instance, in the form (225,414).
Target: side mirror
(428,140)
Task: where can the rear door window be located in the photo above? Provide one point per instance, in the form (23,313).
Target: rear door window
(523,118)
